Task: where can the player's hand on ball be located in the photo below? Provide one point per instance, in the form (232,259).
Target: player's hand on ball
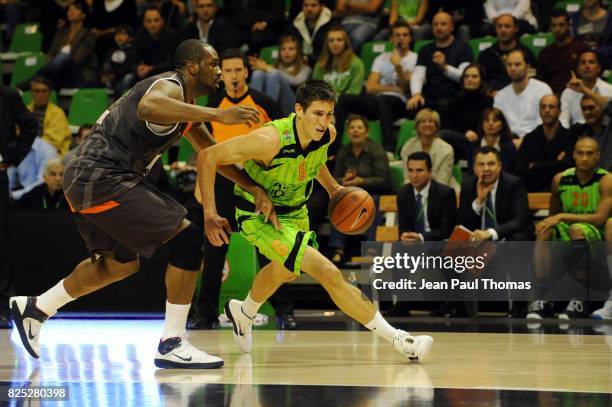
(264,205)
(239,115)
(217,229)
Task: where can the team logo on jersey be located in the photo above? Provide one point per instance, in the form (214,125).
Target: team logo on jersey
(302,171)
(287,135)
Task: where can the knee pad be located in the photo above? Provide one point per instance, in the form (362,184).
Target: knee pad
(186,249)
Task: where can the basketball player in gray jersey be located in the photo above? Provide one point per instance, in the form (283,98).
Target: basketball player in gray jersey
(121,216)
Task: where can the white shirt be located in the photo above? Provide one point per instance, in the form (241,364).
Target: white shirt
(479,211)
(204,35)
(521,9)
(523,110)
(424,201)
(388,76)
(571,112)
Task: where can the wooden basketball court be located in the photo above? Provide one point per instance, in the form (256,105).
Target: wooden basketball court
(110,363)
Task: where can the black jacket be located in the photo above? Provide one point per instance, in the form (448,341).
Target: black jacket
(441,211)
(159,54)
(14,148)
(511,208)
(220,34)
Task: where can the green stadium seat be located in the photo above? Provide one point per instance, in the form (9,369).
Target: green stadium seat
(457,173)
(26,38)
(186,151)
(420,44)
(571,6)
(374,133)
(269,54)
(27,97)
(397,174)
(370,50)
(537,42)
(26,67)
(407,131)
(202,100)
(480,44)
(87,105)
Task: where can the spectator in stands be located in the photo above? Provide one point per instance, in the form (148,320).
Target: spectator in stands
(593,24)
(571,219)
(519,100)
(597,111)
(521,9)
(82,134)
(364,164)
(48,196)
(557,60)
(118,65)
(105,16)
(311,26)
(494,131)
(427,140)
(174,12)
(546,150)
(72,61)
(52,121)
(279,81)
(468,16)
(473,100)
(154,45)
(426,210)
(414,13)
(359,18)
(434,81)
(257,22)
(587,82)
(209,27)
(29,173)
(494,57)
(386,88)
(493,203)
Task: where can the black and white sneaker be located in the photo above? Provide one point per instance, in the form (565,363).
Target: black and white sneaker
(575,309)
(540,309)
(178,353)
(28,320)
(242,324)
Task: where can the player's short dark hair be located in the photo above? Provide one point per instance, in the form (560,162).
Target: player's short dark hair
(191,50)
(556,13)
(487,150)
(420,156)
(42,79)
(354,117)
(234,53)
(314,90)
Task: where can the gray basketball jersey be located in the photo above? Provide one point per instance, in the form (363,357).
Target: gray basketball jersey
(120,150)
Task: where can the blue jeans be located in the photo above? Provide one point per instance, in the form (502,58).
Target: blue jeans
(277,87)
(359,34)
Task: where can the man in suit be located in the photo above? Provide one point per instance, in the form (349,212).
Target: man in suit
(13,148)
(495,206)
(426,210)
(209,27)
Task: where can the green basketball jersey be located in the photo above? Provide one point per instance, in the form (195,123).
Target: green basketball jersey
(289,177)
(576,198)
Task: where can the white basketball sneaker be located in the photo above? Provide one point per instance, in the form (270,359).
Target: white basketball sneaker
(604,312)
(28,320)
(416,347)
(178,353)
(242,323)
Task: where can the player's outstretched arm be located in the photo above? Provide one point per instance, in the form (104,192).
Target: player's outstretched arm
(261,145)
(163,104)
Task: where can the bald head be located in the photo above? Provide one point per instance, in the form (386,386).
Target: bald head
(550,109)
(587,143)
(442,26)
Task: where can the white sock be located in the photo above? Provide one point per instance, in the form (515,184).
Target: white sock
(381,327)
(250,306)
(176,318)
(53,299)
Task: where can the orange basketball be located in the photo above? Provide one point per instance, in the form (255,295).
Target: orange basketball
(351,210)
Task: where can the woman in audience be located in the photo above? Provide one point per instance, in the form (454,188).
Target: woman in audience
(593,24)
(338,64)
(280,80)
(473,100)
(413,12)
(441,153)
(494,131)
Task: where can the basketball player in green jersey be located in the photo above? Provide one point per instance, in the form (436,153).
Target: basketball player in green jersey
(580,206)
(284,157)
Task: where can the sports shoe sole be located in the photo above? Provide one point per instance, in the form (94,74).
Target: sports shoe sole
(18,322)
(168,364)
